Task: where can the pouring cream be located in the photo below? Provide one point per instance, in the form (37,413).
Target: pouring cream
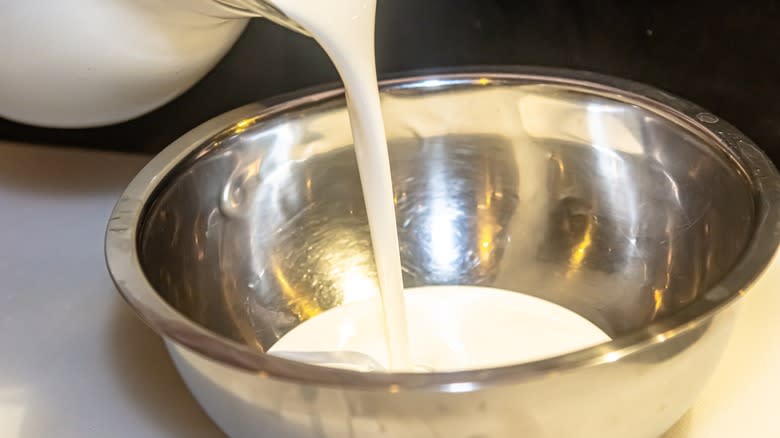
(452,327)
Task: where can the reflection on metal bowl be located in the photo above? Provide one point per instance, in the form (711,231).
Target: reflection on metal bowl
(605,196)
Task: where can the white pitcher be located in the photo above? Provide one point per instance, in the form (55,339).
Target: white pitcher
(87,63)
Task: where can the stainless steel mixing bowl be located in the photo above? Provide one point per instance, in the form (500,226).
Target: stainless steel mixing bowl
(635,209)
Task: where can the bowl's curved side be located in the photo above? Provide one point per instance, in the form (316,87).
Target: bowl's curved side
(642,395)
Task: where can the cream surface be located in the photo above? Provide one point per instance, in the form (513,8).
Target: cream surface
(451,327)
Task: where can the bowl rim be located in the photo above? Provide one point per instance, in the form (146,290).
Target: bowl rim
(126,220)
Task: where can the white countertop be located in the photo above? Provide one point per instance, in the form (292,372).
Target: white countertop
(77,363)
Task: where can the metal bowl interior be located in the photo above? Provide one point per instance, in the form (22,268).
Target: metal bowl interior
(630,207)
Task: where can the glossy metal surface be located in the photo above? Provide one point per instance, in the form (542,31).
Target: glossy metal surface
(636,209)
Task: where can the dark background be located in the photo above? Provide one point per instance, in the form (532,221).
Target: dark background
(725,56)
